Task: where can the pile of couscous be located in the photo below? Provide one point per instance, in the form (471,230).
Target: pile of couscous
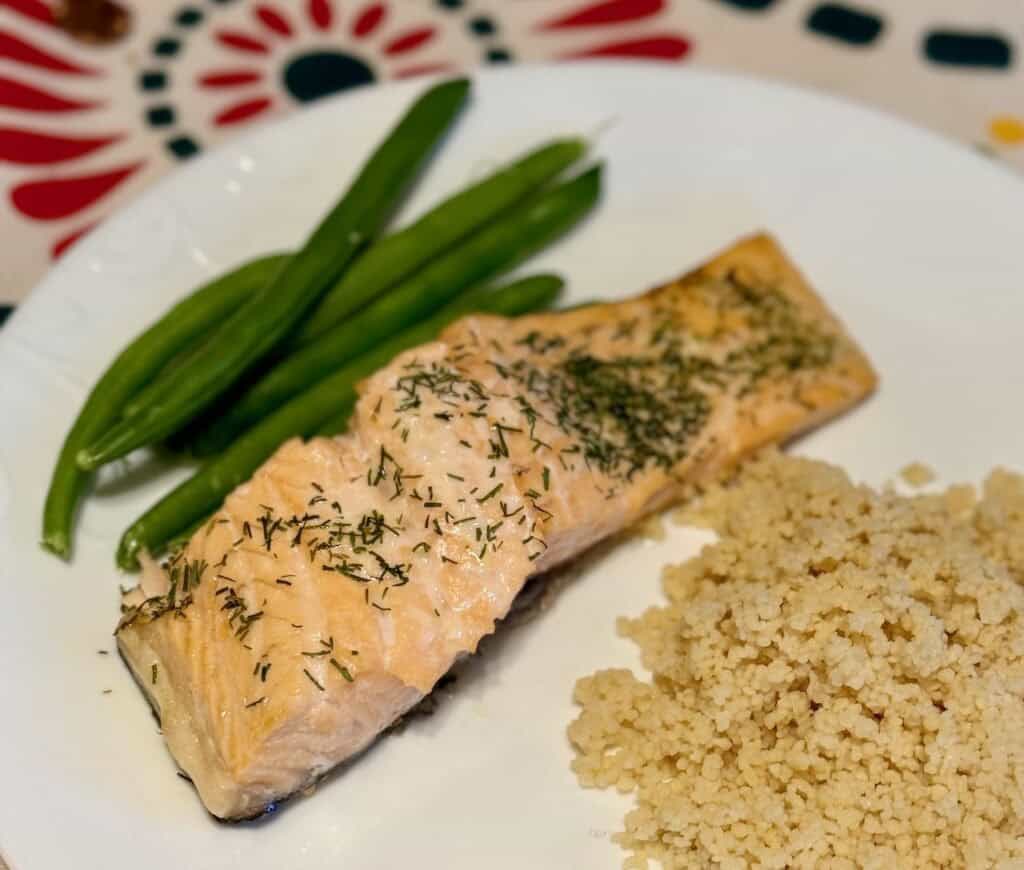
(837,682)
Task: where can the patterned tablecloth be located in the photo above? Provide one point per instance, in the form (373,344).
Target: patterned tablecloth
(100,98)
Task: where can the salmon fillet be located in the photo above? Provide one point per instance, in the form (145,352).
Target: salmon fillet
(334,589)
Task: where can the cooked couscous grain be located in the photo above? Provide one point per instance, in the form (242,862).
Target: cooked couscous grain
(917,474)
(837,682)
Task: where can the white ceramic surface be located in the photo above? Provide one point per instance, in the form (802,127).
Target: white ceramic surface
(914,241)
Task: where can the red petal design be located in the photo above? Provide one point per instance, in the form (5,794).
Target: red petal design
(229,78)
(61,245)
(409,41)
(659,47)
(606,12)
(321,13)
(17,95)
(274,20)
(234,39)
(59,197)
(369,19)
(31,148)
(422,70)
(241,111)
(32,9)
(24,52)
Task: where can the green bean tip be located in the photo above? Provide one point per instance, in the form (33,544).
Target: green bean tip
(463,83)
(128,552)
(57,543)
(86,460)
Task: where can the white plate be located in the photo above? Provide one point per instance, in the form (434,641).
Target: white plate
(916,242)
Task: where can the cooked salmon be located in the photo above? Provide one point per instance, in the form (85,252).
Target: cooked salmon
(334,589)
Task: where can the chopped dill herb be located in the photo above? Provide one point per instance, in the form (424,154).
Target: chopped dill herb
(313,679)
(490,494)
(341,669)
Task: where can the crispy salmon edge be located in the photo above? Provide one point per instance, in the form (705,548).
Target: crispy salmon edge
(845,382)
(762,254)
(762,250)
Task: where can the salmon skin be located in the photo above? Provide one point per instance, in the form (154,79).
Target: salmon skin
(334,589)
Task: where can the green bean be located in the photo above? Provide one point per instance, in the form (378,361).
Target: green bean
(338,423)
(185,535)
(498,246)
(256,327)
(397,256)
(134,366)
(304,415)
(259,277)
(386,266)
